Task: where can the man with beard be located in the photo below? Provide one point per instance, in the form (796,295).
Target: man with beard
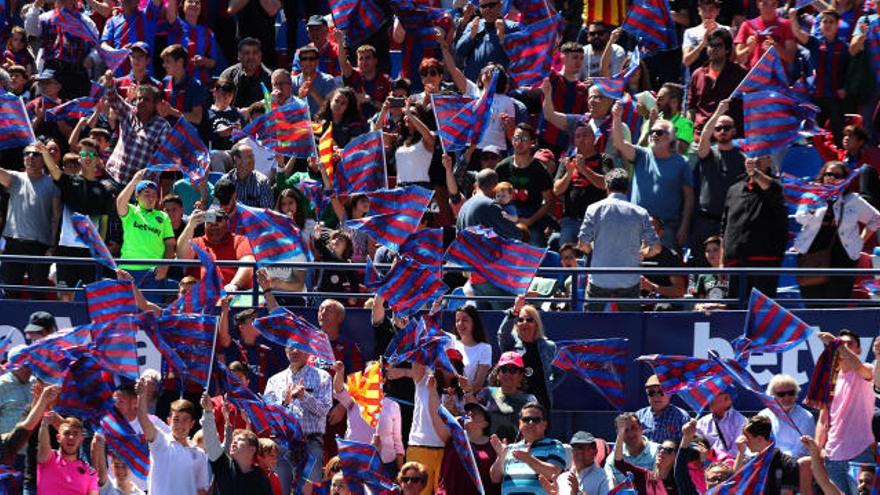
(669,100)
(248,73)
(595,39)
(714,81)
(61,471)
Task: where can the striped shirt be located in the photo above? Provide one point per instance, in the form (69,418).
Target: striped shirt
(311,409)
(663,426)
(254,190)
(137,140)
(519,478)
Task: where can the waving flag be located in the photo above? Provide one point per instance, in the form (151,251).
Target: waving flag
(750,478)
(599,362)
(408,286)
(182,150)
(425,246)
(288,329)
(77,108)
(421,341)
(325,150)
(461,121)
(125,443)
(267,97)
(286,130)
(365,389)
(206,292)
(872,44)
(767,74)
(822,383)
(49,358)
(360,462)
(116,345)
(274,238)
(697,381)
(192,338)
(625,487)
(394,214)
(263,416)
(88,389)
(110,299)
(362,167)
(73,24)
(462,447)
(15,125)
(769,327)
(317,196)
(510,265)
(529,50)
(650,21)
(810,195)
(359,19)
(88,235)
(418,18)
(611,12)
(773,120)
(613,86)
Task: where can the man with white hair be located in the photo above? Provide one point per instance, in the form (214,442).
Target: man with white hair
(785,389)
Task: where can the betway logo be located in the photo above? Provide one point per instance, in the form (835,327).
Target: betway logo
(764,366)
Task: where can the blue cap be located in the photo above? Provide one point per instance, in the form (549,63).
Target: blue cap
(140,45)
(145,184)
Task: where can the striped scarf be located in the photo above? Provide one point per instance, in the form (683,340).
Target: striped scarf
(824,379)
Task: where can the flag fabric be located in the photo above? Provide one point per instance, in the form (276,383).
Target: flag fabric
(15,125)
(650,21)
(88,235)
(872,44)
(362,167)
(192,338)
(182,150)
(750,478)
(773,119)
(613,87)
(365,389)
(274,237)
(113,57)
(462,447)
(87,390)
(73,24)
(822,383)
(421,341)
(359,19)
(462,121)
(288,329)
(697,381)
(286,130)
(394,214)
(599,362)
(361,462)
(529,49)
(801,194)
(48,359)
(206,292)
(625,487)
(78,107)
(267,97)
(767,74)
(856,468)
(317,196)
(508,264)
(769,327)
(10,480)
(424,246)
(610,12)
(116,346)
(530,11)
(125,443)
(325,150)
(418,18)
(5,344)
(110,299)
(408,286)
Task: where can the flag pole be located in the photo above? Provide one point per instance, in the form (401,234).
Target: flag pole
(25,114)
(434,107)
(213,349)
(733,93)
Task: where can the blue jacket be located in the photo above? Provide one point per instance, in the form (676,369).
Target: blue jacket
(508,341)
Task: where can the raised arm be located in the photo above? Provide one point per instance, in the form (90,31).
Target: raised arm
(125,195)
(44,445)
(449,61)
(342,53)
(184,249)
(605,61)
(623,145)
(705,146)
(433,409)
(99,458)
(796,30)
(145,390)
(428,136)
(213,447)
(817,462)
(556,118)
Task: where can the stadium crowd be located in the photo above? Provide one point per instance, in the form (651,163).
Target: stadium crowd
(616,155)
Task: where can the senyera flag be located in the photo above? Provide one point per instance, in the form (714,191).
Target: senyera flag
(650,21)
(273,237)
(508,264)
(88,235)
(288,329)
(529,50)
(15,125)
(362,166)
(358,19)
(286,130)
(462,122)
(110,299)
(408,286)
(599,362)
(365,389)
(182,150)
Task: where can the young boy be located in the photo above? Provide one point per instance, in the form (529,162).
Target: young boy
(504,196)
(267,458)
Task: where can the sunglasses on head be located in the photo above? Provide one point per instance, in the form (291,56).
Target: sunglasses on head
(785,393)
(723,128)
(531,419)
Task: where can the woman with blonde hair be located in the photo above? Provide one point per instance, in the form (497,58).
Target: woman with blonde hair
(413,479)
(522,331)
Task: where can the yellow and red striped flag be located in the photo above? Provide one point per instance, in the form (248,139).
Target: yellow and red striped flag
(365,389)
(325,150)
(611,12)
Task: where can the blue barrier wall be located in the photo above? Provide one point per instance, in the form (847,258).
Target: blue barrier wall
(692,334)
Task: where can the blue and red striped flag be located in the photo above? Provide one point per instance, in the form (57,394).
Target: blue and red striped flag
(116,344)
(362,167)
(613,86)
(361,462)
(774,119)
(750,478)
(125,443)
(824,378)
(318,198)
(113,57)
(10,480)
(274,237)
(206,292)
(767,74)
(769,327)
(394,214)
(182,150)
(286,130)
(530,11)
(509,265)
(529,50)
(418,18)
(425,246)
(288,329)
(873,467)
(650,21)
(88,388)
(358,19)
(49,358)
(625,487)
(191,337)
(88,235)
(15,125)
(408,286)
(462,447)
(76,108)
(110,299)
(810,195)
(461,121)
(421,341)
(872,45)
(73,24)
(599,362)
(697,381)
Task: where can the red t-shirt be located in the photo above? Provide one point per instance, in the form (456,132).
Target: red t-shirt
(779,30)
(453,476)
(235,248)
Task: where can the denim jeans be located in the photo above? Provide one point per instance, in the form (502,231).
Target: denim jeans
(569,228)
(289,462)
(838,471)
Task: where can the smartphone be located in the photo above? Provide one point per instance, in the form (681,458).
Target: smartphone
(210,216)
(396,102)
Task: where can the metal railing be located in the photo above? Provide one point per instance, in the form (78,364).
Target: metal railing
(575,298)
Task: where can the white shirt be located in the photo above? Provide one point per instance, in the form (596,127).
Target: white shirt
(475,355)
(422,432)
(176,469)
(694,35)
(495,134)
(592,481)
(391,440)
(591,61)
(413,162)
(788,440)
(855,211)
(136,426)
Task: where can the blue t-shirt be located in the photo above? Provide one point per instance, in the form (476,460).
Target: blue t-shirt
(656,183)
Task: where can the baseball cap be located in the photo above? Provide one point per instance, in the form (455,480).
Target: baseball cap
(316,20)
(145,184)
(511,358)
(40,321)
(491,148)
(582,438)
(46,75)
(476,405)
(140,46)
(652,381)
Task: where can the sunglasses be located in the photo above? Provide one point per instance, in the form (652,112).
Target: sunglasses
(654,393)
(832,174)
(509,369)
(32,153)
(308,59)
(658,132)
(490,5)
(595,33)
(88,154)
(519,139)
(410,479)
(785,393)
(525,319)
(667,450)
(531,419)
(723,128)
(429,72)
